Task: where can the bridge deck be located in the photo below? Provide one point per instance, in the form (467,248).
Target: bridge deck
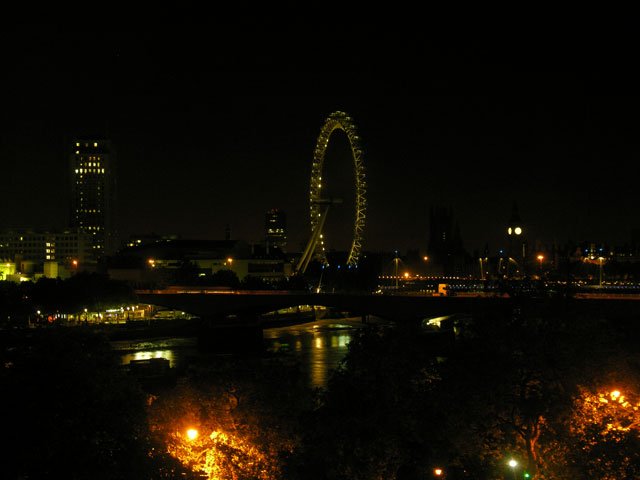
(216,303)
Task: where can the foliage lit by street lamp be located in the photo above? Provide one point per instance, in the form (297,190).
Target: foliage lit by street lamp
(218,455)
(607,427)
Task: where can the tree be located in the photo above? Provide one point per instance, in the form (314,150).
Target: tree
(515,382)
(509,388)
(604,433)
(223,278)
(255,283)
(375,419)
(71,412)
(245,414)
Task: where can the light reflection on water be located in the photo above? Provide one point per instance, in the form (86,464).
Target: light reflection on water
(319,346)
(176,350)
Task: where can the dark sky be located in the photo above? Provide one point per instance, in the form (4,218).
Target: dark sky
(216,124)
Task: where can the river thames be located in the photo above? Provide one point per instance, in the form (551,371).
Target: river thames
(318,346)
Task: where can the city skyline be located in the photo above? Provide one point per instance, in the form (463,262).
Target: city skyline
(197,194)
(201,148)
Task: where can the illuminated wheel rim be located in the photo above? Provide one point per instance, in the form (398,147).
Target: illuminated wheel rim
(339,121)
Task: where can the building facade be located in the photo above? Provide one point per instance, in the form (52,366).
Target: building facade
(93,190)
(445,249)
(33,251)
(275,229)
(151,263)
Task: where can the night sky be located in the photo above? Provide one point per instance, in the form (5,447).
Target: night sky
(215,125)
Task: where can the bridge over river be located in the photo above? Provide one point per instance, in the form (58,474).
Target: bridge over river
(247,306)
(234,320)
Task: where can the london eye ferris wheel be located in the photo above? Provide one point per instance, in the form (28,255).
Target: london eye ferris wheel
(319,206)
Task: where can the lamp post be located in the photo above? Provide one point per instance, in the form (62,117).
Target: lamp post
(540,259)
(396,260)
(600,280)
(513,464)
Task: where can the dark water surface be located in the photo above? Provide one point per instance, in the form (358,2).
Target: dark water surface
(319,346)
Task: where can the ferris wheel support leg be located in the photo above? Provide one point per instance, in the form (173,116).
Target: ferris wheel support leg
(311,245)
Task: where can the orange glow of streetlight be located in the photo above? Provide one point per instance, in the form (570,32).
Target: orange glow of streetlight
(438,472)
(406,274)
(540,257)
(192,434)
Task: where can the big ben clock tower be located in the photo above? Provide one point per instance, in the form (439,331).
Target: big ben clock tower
(517,243)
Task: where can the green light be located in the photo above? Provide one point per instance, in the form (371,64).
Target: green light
(526,475)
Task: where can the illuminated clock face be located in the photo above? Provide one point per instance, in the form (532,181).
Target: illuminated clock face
(517,230)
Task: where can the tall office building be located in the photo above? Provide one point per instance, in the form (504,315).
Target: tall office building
(93,189)
(275,229)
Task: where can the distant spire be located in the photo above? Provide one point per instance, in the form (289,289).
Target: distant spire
(515,216)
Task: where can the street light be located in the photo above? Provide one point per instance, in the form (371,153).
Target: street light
(541,258)
(437,472)
(513,464)
(192,434)
(600,261)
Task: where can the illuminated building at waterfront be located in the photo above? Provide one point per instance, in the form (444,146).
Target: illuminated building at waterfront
(36,251)
(146,263)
